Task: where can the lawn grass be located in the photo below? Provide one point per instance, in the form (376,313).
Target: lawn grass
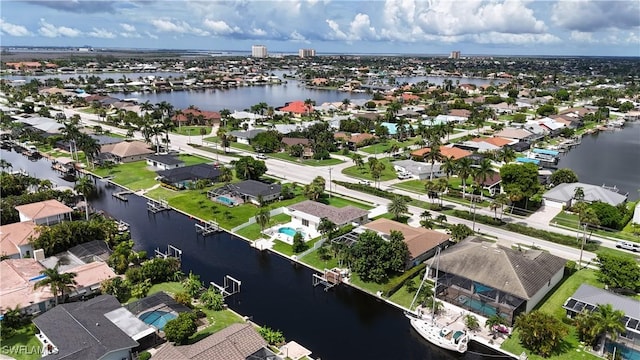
(218,320)
(340,202)
(416,186)
(23,345)
(403,297)
(244,147)
(570,342)
(310,162)
(313,259)
(253,231)
(193,159)
(570,220)
(382,147)
(170,287)
(195,130)
(134,175)
(287,249)
(363,173)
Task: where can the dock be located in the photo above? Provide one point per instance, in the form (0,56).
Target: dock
(172,251)
(157,206)
(122,195)
(231,286)
(209,227)
(329,279)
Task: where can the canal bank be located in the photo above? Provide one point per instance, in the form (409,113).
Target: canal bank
(339,324)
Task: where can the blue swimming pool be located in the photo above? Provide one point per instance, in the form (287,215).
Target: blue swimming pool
(157,318)
(477,305)
(627,353)
(289,231)
(225,200)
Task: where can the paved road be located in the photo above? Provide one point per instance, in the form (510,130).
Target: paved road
(292,172)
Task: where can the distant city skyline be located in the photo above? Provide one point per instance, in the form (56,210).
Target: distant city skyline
(435,27)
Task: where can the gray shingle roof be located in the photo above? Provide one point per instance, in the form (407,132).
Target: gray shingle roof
(165,159)
(81,331)
(191,172)
(520,273)
(255,188)
(565,192)
(338,216)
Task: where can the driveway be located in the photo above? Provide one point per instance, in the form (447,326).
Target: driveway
(544,215)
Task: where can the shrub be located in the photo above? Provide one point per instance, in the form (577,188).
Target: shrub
(183,298)
(551,236)
(145,355)
(483,219)
(181,328)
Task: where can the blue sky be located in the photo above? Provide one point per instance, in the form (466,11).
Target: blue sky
(499,27)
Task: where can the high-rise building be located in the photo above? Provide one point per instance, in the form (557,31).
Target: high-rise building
(305,53)
(259,51)
(454,55)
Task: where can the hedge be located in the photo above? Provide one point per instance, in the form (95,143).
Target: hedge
(483,219)
(551,236)
(397,282)
(372,190)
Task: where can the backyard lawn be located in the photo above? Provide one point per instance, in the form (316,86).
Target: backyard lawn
(253,231)
(218,320)
(363,173)
(381,148)
(313,259)
(24,344)
(191,130)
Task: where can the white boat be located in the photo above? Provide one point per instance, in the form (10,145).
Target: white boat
(441,336)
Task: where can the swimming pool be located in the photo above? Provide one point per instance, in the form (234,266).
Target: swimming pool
(225,200)
(477,305)
(627,353)
(157,318)
(289,231)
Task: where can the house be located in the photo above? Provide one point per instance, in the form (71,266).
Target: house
(125,151)
(562,195)
(249,190)
(164,162)
(445,151)
(492,183)
(308,214)
(15,239)
(495,141)
(587,298)
(245,115)
(46,212)
(636,214)
(235,342)
(185,176)
(487,279)
(297,108)
(288,141)
(353,141)
(20,275)
(443,119)
(197,116)
(521,135)
(245,137)
(99,328)
(418,169)
(422,243)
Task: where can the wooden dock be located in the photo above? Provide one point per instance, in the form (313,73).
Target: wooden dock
(157,206)
(122,195)
(207,228)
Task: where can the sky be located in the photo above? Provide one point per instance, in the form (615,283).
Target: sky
(421,27)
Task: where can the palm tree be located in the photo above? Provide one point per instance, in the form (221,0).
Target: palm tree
(433,155)
(463,170)
(57,281)
(326,227)
(481,172)
(493,321)
(398,206)
(226,174)
(85,187)
(500,201)
(448,166)
(357,159)
(506,154)
(263,216)
(607,321)
(90,147)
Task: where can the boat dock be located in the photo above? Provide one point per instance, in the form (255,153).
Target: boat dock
(231,286)
(207,228)
(157,206)
(329,279)
(122,195)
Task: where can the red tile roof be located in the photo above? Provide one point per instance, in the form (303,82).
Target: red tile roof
(43,209)
(209,116)
(450,152)
(297,107)
(497,141)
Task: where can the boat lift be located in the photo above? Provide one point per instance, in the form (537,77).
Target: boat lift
(207,228)
(329,279)
(231,286)
(157,206)
(172,251)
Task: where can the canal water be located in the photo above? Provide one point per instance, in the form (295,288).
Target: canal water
(610,158)
(342,323)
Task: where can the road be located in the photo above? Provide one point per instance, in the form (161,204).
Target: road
(302,174)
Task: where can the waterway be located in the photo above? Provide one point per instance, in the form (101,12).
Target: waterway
(343,323)
(611,158)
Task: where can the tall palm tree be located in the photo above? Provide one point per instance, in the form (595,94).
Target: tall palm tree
(85,187)
(482,172)
(57,281)
(357,159)
(434,154)
(506,154)
(263,216)
(398,206)
(448,166)
(607,321)
(463,170)
(90,147)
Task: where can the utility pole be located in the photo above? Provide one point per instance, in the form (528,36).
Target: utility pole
(330,182)
(584,239)
(474,215)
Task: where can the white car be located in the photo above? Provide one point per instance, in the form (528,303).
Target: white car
(628,245)
(404,176)
(365,182)
(261,156)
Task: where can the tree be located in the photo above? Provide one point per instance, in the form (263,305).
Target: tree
(398,206)
(463,170)
(607,215)
(326,227)
(482,172)
(273,337)
(141,289)
(357,159)
(263,216)
(373,258)
(212,299)
(471,322)
(268,141)
(460,231)
(562,176)
(520,179)
(299,245)
(226,174)
(398,251)
(432,156)
(85,187)
(618,272)
(192,284)
(506,155)
(58,282)
(607,321)
(116,287)
(248,168)
(180,329)
(540,332)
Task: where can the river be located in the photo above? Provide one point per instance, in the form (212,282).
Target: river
(343,323)
(611,158)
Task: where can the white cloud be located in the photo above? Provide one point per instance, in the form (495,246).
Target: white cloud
(220,27)
(515,39)
(591,15)
(13,29)
(336,33)
(101,33)
(51,31)
(128,27)
(297,37)
(177,26)
(361,29)
(150,35)
(581,36)
(258,32)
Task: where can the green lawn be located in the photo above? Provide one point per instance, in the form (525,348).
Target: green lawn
(134,175)
(23,345)
(363,173)
(170,287)
(416,186)
(253,231)
(403,297)
(312,259)
(218,320)
(195,130)
(286,249)
(570,220)
(242,146)
(381,148)
(574,350)
(310,162)
(341,202)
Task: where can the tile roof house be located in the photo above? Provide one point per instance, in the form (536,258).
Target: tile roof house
(562,195)
(516,134)
(46,212)
(185,176)
(93,329)
(495,140)
(297,108)
(126,151)
(197,116)
(353,140)
(15,239)
(164,162)
(422,243)
(308,214)
(450,152)
(235,342)
(505,281)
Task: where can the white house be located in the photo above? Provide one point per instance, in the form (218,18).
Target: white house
(164,162)
(308,214)
(46,212)
(15,239)
(563,195)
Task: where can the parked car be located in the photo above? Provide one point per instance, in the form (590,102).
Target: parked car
(404,176)
(261,156)
(628,245)
(365,182)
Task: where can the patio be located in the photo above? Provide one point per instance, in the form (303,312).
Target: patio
(285,232)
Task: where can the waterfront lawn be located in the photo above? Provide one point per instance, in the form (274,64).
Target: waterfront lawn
(313,259)
(253,231)
(218,320)
(284,248)
(134,175)
(571,348)
(363,173)
(24,337)
(310,162)
(169,287)
(403,297)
